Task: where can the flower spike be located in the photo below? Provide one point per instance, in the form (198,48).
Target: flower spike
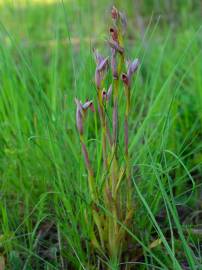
(114,170)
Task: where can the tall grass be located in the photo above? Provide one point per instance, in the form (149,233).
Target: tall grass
(45,61)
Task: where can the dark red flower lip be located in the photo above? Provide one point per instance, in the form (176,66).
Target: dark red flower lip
(114,33)
(125,79)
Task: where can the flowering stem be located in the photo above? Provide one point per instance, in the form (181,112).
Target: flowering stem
(115,134)
(127,159)
(104,127)
(89,168)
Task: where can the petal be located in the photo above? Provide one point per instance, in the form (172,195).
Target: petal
(79,122)
(98,78)
(109,92)
(123,21)
(103,64)
(79,105)
(98,56)
(114,45)
(135,65)
(79,116)
(132,68)
(128,63)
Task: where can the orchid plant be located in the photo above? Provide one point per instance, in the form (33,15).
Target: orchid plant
(109,236)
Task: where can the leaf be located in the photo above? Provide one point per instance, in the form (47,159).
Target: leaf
(155,243)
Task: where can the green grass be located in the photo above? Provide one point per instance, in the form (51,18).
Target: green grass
(45,61)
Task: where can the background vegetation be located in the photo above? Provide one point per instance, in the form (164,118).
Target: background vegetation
(45,61)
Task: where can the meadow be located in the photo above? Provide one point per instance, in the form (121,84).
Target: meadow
(46,209)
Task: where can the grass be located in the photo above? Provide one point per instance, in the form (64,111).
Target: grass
(45,61)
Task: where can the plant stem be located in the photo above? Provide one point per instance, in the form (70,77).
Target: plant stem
(104,128)
(127,159)
(89,169)
(96,216)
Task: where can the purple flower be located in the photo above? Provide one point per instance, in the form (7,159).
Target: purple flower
(131,69)
(80,113)
(102,65)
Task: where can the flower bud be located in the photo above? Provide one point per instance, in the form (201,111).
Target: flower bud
(115,13)
(109,92)
(119,18)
